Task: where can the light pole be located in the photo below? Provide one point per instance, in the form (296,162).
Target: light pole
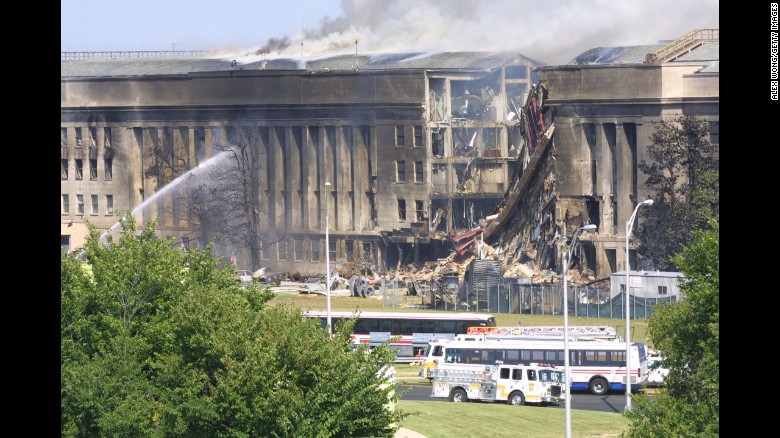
(327,254)
(566,263)
(629,226)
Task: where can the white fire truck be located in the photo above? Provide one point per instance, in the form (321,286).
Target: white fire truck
(515,384)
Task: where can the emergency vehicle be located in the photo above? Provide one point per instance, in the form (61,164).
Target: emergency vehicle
(514,384)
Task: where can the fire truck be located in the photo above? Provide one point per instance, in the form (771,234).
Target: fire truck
(517,385)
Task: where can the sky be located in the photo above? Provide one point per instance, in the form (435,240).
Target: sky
(549,31)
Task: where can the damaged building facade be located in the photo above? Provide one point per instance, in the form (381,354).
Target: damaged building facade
(603,106)
(413,147)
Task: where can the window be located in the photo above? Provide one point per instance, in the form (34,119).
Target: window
(281,250)
(79,169)
(350,247)
(92,170)
(399,135)
(418,136)
(662,290)
(332,249)
(80,204)
(366,250)
(110,205)
(715,133)
(92,136)
(64,244)
(63,137)
(419,209)
(107,137)
(263,252)
(63,169)
(108,169)
(400,171)
(402,209)
(418,171)
(65,204)
(78,137)
(315,250)
(94,199)
(298,248)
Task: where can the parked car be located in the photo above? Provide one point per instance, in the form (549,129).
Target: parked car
(243,276)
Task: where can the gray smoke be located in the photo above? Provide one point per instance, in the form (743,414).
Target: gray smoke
(553,32)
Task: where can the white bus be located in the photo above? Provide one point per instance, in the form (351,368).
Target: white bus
(595,366)
(409,333)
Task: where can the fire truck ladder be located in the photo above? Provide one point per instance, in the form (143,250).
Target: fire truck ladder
(582,331)
(683,45)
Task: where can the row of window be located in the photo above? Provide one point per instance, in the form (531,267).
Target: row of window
(297,249)
(419,210)
(662,290)
(91,139)
(519,356)
(94,206)
(108,171)
(400,171)
(399,135)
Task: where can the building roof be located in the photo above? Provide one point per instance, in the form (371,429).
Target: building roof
(636,54)
(469,61)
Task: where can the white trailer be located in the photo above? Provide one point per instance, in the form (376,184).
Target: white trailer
(514,384)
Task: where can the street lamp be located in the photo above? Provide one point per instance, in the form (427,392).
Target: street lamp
(629,226)
(566,263)
(327,254)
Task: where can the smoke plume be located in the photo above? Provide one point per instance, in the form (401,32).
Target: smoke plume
(551,32)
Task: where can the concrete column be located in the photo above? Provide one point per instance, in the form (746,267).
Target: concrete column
(360,178)
(624,205)
(277,167)
(604,180)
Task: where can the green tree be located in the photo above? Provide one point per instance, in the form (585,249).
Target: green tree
(687,335)
(159,342)
(684,176)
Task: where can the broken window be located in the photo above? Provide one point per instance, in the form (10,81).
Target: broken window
(107,137)
(108,169)
(400,171)
(94,199)
(63,137)
(92,136)
(79,168)
(399,135)
(402,209)
(110,205)
(332,249)
(80,204)
(65,204)
(419,210)
(63,169)
(350,247)
(93,169)
(281,250)
(298,248)
(418,135)
(315,250)
(418,171)
(78,137)
(437,143)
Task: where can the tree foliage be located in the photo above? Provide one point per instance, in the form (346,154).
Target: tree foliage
(687,335)
(683,174)
(160,342)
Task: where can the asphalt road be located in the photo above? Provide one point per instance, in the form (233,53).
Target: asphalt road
(612,402)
